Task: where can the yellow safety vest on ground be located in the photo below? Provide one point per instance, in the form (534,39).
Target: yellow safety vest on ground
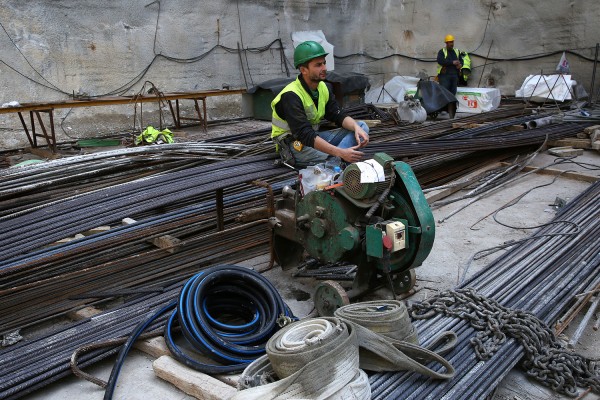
(314,114)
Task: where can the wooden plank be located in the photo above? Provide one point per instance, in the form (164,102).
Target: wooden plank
(571,175)
(571,142)
(167,242)
(192,382)
(371,122)
(83,313)
(118,100)
(98,229)
(591,129)
(514,128)
(459,184)
(156,347)
(567,151)
(466,125)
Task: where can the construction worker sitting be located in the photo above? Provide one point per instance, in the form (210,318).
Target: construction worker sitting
(452,65)
(302,105)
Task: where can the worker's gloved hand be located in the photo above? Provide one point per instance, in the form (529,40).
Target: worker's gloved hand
(351,154)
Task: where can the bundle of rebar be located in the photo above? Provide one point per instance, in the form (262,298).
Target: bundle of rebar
(539,275)
(179,184)
(478,143)
(29,366)
(72,216)
(37,185)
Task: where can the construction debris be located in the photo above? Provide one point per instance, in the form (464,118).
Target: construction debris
(566,151)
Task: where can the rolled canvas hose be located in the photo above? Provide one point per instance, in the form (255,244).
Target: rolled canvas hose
(324,358)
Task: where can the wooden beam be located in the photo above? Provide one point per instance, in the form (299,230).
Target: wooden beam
(166,242)
(459,184)
(571,175)
(156,347)
(565,151)
(514,128)
(467,125)
(192,382)
(118,100)
(572,142)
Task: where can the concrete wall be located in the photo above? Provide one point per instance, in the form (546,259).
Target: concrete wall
(53,48)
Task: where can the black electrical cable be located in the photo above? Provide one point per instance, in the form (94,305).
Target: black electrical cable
(527,57)
(226,311)
(137,331)
(28,63)
(485,29)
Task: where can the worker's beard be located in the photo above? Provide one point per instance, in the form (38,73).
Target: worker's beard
(316,77)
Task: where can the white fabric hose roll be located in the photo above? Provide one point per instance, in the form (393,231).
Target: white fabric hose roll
(321,358)
(315,359)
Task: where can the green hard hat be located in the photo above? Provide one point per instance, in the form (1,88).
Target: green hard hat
(306,51)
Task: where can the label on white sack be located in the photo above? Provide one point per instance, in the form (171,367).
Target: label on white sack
(370,171)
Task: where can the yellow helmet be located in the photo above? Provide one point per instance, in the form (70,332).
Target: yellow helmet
(449,38)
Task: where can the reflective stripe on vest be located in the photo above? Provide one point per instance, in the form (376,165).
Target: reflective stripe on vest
(445,50)
(313,114)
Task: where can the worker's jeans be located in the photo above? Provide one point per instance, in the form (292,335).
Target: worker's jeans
(450,82)
(342,138)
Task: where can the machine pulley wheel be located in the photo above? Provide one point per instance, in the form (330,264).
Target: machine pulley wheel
(329,296)
(404,281)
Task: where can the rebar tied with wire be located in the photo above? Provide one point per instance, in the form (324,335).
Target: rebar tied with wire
(539,275)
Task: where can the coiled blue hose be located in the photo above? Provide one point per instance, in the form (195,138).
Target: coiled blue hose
(226,312)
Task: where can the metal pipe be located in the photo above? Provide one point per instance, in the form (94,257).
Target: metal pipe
(584,322)
(538,123)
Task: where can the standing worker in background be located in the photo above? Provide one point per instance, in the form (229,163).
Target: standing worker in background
(302,105)
(465,71)
(452,65)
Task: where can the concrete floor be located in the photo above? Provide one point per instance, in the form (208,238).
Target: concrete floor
(455,243)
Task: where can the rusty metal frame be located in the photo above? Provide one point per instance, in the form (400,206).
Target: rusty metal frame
(220,211)
(177,118)
(271,214)
(33,136)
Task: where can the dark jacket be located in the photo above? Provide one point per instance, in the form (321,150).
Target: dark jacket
(448,67)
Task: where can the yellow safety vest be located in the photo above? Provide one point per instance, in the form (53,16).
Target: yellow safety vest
(445,50)
(314,114)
